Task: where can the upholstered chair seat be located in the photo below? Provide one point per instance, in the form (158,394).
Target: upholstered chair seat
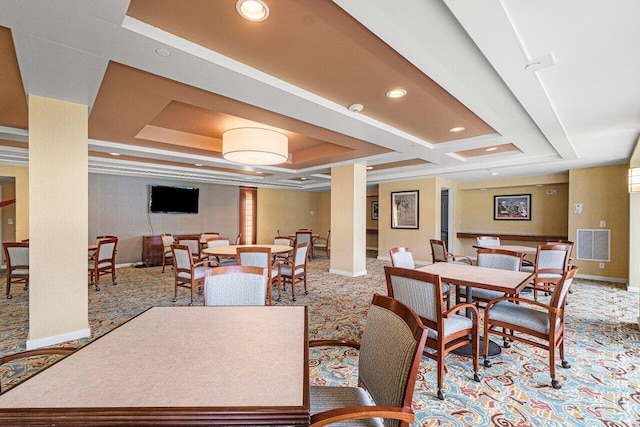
(329,398)
(520,315)
(452,325)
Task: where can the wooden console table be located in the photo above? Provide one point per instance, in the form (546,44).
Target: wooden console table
(515,237)
(152,249)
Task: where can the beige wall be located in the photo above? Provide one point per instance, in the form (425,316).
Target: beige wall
(290,210)
(549,213)
(604,196)
(429,215)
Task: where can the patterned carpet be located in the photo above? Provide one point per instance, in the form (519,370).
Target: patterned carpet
(603,345)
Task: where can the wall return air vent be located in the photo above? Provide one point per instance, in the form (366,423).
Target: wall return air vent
(593,245)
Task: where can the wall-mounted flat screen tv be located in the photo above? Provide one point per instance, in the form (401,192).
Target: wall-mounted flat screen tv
(163,199)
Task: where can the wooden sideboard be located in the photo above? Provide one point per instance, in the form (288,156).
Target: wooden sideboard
(152,249)
(516,237)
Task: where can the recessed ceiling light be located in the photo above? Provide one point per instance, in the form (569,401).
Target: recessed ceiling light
(494,173)
(197,164)
(456,129)
(491,149)
(369,168)
(396,93)
(252,10)
(162,52)
(539,185)
(356,108)
(115,154)
(303,179)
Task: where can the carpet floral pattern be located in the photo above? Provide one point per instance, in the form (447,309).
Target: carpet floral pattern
(603,345)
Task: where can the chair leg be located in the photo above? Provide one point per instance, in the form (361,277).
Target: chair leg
(440,373)
(485,347)
(192,293)
(476,354)
(293,289)
(304,278)
(9,288)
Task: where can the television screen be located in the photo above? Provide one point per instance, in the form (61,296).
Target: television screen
(164,199)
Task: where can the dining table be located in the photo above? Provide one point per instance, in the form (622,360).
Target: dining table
(230,251)
(494,279)
(244,365)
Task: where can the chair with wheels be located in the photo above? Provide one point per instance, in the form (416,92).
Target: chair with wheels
(103,261)
(256,256)
(439,253)
(447,331)
(293,270)
(552,261)
(521,319)
(321,244)
(16,255)
(389,356)
(235,285)
(167,241)
(188,274)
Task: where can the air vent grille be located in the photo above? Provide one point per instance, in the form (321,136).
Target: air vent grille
(593,245)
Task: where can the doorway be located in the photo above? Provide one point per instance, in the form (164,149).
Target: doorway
(446,216)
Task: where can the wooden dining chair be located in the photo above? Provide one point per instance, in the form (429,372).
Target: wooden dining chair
(57,351)
(194,245)
(386,372)
(439,253)
(521,319)
(422,292)
(16,255)
(167,255)
(487,241)
(552,261)
(235,285)
(188,274)
(261,257)
(322,244)
(103,261)
(282,241)
(491,258)
(216,242)
(208,234)
(401,256)
(295,269)
(305,236)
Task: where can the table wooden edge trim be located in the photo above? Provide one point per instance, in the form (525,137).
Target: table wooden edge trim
(486,286)
(294,415)
(289,415)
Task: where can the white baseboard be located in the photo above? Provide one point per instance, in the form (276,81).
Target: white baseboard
(371,249)
(57,339)
(348,273)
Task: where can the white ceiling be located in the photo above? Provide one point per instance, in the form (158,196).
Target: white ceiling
(581,111)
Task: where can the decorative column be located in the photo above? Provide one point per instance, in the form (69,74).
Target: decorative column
(58,221)
(348,220)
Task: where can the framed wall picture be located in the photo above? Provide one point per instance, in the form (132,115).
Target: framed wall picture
(515,207)
(404,209)
(374,210)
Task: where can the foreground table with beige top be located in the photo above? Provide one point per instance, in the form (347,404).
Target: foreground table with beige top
(178,365)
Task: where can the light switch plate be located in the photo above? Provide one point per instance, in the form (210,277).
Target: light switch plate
(603,223)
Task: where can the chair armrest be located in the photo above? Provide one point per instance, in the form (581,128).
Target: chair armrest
(360,412)
(465,305)
(521,300)
(206,261)
(334,343)
(455,257)
(37,352)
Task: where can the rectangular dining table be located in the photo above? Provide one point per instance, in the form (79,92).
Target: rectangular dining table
(177,365)
(524,250)
(507,281)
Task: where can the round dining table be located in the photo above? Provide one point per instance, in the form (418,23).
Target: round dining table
(230,251)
